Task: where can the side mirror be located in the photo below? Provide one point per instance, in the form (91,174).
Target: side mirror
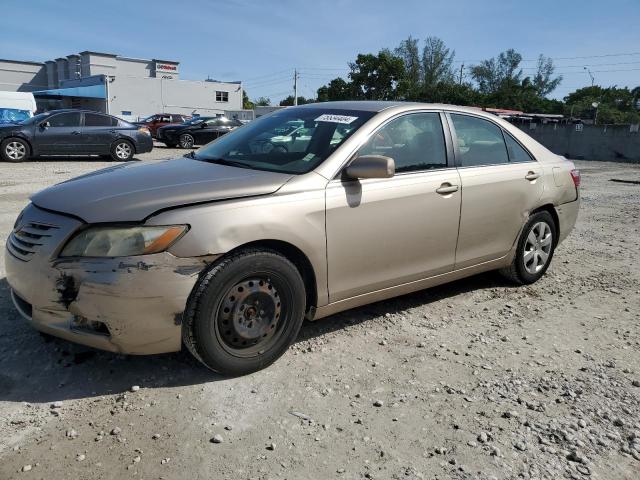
(203,125)
(45,125)
(371,166)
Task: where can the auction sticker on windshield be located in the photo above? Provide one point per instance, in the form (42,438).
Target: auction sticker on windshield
(327,117)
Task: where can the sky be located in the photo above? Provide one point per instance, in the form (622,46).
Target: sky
(261,42)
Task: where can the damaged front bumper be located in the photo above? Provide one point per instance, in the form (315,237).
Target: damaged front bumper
(127,304)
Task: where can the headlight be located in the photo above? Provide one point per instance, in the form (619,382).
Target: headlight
(122,241)
(144,130)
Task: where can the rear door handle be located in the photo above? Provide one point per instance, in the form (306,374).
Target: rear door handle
(532,176)
(75,132)
(446,188)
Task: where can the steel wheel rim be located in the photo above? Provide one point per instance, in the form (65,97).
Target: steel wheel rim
(15,150)
(249,319)
(186,140)
(537,247)
(123,151)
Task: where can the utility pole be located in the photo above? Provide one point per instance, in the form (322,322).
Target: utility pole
(295,87)
(461,69)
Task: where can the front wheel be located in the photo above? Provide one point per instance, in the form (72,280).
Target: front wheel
(534,251)
(14,150)
(245,312)
(122,151)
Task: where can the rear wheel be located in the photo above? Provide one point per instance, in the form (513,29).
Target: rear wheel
(122,151)
(186,140)
(14,150)
(245,312)
(534,251)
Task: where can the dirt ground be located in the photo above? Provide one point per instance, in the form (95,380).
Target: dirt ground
(473,380)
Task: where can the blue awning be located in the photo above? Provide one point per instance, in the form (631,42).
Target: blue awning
(91,91)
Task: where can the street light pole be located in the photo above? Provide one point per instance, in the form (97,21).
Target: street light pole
(106,93)
(590,74)
(295,87)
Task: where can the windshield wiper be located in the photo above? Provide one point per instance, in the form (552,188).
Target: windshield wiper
(191,154)
(223,161)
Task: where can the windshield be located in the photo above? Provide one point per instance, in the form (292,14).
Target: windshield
(196,120)
(14,115)
(35,119)
(292,140)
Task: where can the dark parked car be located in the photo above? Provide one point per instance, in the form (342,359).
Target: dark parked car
(154,122)
(73,132)
(197,131)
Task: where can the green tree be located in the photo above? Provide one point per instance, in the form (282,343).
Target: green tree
(337,89)
(410,83)
(437,61)
(246,103)
(262,102)
(615,105)
(376,77)
(499,73)
(288,101)
(542,80)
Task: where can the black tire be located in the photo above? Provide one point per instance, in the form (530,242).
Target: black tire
(122,151)
(186,140)
(14,150)
(219,328)
(524,271)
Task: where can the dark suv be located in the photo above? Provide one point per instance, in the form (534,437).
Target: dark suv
(197,131)
(73,132)
(154,122)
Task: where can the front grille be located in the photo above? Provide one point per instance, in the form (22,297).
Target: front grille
(25,241)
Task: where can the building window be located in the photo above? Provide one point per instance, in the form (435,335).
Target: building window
(222,96)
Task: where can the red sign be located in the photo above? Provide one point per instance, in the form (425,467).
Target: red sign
(164,67)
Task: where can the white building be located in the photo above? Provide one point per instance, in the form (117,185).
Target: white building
(130,88)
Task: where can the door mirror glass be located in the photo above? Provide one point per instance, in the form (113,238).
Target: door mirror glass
(371,166)
(45,125)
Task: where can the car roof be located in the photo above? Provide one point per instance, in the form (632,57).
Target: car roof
(380,105)
(74,110)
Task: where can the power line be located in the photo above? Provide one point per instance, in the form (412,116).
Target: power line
(562,58)
(268,75)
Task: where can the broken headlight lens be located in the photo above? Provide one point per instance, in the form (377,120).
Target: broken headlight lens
(122,241)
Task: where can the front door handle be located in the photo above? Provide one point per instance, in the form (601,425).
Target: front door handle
(446,188)
(531,176)
(75,132)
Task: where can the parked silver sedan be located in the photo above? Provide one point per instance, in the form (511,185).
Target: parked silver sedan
(229,248)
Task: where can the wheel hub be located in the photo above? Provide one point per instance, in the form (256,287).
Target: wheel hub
(249,313)
(537,247)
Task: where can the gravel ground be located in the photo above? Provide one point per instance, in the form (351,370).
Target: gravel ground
(472,380)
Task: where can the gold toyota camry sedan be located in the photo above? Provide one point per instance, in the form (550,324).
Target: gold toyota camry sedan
(302,213)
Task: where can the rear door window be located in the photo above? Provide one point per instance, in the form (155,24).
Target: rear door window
(517,154)
(95,120)
(480,142)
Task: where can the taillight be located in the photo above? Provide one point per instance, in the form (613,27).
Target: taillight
(575,176)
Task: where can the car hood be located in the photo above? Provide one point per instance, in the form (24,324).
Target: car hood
(132,192)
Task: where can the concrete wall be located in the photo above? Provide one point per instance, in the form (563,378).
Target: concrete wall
(97,64)
(146,96)
(22,76)
(593,142)
(134,67)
